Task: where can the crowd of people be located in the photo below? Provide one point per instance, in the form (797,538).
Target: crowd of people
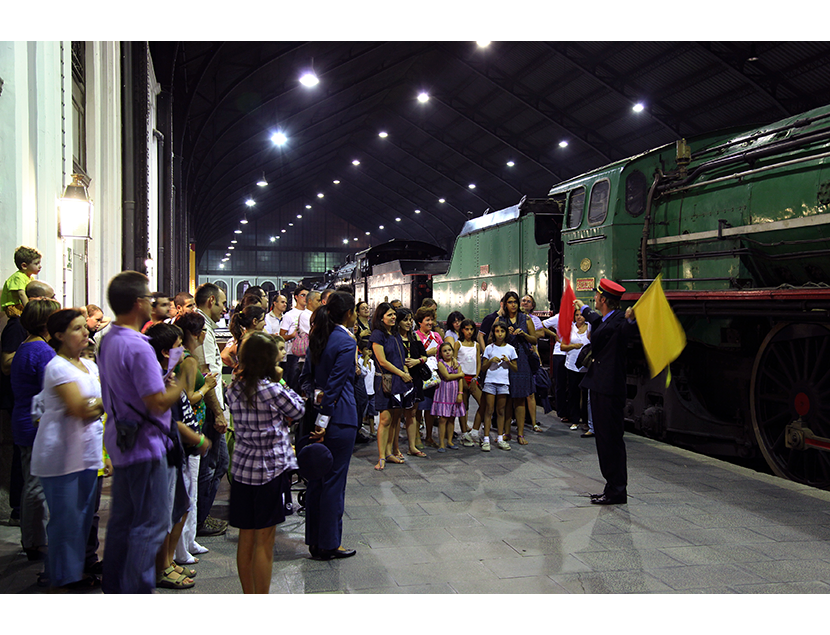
(140,400)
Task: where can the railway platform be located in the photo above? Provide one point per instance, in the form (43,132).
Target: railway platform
(520,522)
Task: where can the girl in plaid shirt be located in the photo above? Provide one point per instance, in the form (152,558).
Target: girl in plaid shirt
(262,407)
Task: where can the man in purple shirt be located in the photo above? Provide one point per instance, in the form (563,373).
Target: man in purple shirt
(133,390)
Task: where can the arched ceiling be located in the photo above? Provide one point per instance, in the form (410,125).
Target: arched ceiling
(509,102)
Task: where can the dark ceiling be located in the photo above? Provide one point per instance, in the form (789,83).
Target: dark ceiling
(510,101)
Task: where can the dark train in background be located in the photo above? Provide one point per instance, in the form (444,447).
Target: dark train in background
(738,223)
(399,269)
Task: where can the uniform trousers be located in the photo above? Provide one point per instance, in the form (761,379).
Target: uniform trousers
(324,499)
(609,427)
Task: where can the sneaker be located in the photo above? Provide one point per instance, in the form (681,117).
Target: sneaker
(467,440)
(574,426)
(485,445)
(504,445)
(212,527)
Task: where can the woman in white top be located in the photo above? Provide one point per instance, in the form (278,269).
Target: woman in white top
(67,450)
(577,397)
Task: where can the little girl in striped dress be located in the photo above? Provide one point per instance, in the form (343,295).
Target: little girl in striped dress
(448,402)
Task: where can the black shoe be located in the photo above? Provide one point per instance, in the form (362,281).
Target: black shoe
(95,569)
(362,438)
(586,435)
(34,555)
(329,554)
(609,500)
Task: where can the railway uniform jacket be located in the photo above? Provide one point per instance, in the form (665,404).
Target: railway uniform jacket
(609,340)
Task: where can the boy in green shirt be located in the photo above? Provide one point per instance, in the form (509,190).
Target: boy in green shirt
(13,297)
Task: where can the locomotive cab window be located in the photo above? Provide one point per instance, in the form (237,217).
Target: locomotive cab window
(576,203)
(635,193)
(598,209)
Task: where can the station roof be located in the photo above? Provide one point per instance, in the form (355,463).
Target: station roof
(501,122)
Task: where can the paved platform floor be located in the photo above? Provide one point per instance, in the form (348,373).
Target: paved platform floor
(520,521)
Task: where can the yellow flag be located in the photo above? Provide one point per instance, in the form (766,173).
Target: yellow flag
(660,331)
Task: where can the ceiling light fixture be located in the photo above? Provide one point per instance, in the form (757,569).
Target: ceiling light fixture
(291,224)
(638,107)
(250,202)
(234,241)
(368,233)
(273,238)
(380,227)
(398,219)
(563,144)
(336,181)
(237,231)
(472,186)
(221,265)
(510,164)
(482,44)
(320,195)
(423,97)
(262,182)
(417,211)
(299,215)
(345,241)
(231,248)
(355,162)
(282,231)
(442,200)
(383,134)
(279,138)
(309,79)
(308,206)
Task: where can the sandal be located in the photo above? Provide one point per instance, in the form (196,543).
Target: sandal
(537,428)
(521,439)
(417,453)
(381,464)
(194,560)
(173,580)
(190,573)
(395,459)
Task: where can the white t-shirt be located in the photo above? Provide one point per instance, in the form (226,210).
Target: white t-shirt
(498,373)
(467,359)
(66,444)
(368,374)
(552,323)
(272,324)
(576,338)
(290,322)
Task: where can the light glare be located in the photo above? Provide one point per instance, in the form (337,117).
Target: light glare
(638,107)
(423,98)
(309,79)
(278,138)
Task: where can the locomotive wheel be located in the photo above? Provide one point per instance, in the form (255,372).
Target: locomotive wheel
(791,379)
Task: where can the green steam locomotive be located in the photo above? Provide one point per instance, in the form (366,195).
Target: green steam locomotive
(738,223)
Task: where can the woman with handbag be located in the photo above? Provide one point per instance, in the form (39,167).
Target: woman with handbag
(528,306)
(394,390)
(415,361)
(521,335)
(431,340)
(66,454)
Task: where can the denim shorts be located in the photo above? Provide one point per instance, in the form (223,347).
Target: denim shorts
(496,389)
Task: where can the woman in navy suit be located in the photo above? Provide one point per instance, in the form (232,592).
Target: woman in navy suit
(331,349)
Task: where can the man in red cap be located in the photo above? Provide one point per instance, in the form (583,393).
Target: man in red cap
(605,379)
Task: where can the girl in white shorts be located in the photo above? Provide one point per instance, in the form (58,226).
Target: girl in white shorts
(498,360)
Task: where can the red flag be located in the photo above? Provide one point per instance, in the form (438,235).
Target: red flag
(566,313)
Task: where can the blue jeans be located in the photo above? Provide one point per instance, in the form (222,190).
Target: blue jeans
(139,516)
(212,467)
(71,500)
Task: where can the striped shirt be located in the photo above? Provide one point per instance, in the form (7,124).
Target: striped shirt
(263,447)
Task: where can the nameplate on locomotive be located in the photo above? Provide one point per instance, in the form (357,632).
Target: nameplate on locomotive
(585,284)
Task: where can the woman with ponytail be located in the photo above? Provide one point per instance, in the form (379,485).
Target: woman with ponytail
(249,319)
(331,351)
